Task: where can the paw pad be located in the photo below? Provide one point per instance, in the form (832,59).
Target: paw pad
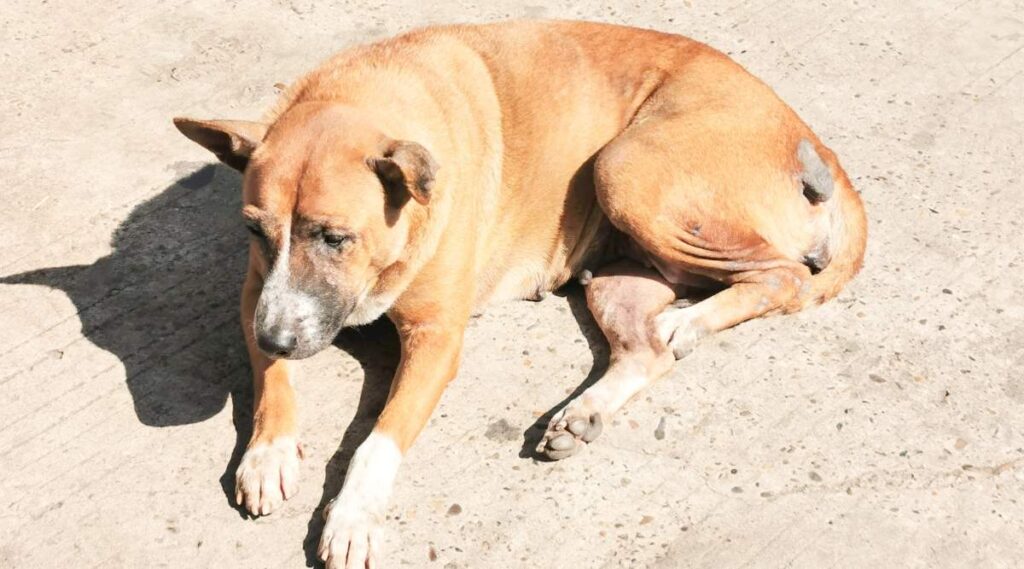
(567,433)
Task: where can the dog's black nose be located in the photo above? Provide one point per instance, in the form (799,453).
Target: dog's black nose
(277,342)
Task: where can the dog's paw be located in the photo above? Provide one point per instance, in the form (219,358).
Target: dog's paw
(677,330)
(351,537)
(268,475)
(568,431)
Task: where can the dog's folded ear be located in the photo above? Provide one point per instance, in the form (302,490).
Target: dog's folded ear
(405,170)
(231,141)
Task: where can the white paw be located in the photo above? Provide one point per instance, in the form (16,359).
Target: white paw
(352,534)
(268,475)
(676,328)
(351,538)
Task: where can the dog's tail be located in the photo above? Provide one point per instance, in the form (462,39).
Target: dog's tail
(847,239)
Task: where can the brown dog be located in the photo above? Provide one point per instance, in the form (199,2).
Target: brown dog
(425,176)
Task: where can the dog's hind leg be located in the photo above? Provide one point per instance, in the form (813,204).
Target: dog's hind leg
(625,300)
(756,294)
(720,179)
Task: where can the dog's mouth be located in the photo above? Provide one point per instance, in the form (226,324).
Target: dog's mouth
(294,334)
(298,343)
(312,348)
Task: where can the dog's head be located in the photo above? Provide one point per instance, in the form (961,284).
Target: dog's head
(327,200)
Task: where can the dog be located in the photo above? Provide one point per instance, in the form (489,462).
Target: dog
(425,176)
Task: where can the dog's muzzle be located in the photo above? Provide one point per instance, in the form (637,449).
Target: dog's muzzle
(293,324)
(277,342)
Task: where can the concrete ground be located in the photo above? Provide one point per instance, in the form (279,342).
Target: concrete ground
(881,430)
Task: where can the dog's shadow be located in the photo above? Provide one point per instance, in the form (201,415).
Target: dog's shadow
(165,303)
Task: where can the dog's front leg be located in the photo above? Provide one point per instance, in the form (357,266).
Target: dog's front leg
(430,355)
(269,471)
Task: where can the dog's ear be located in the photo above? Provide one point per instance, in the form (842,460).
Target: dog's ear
(231,141)
(406,170)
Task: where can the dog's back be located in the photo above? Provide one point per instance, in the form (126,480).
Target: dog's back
(524,107)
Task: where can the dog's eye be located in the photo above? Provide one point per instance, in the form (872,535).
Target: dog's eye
(336,240)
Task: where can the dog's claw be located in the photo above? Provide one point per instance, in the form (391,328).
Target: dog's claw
(351,537)
(267,476)
(593,429)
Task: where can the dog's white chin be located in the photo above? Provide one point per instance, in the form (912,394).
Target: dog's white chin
(368,309)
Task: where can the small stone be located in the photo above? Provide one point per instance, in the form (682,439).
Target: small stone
(455,510)
(814,476)
(659,431)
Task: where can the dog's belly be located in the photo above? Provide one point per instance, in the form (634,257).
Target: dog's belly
(527,281)
(559,248)
(531,277)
